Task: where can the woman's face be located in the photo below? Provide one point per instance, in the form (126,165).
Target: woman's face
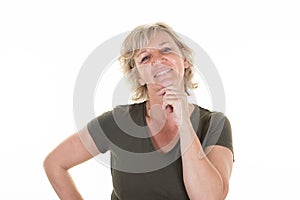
(160,63)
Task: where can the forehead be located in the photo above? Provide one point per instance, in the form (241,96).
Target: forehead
(158,39)
(150,39)
(155,40)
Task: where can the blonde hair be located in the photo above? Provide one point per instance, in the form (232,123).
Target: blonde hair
(137,39)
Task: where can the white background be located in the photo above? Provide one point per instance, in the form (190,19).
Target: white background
(255,46)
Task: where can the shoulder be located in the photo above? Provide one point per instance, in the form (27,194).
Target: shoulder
(214,128)
(213,125)
(109,127)
(208,115)
(121,112)
(134,107)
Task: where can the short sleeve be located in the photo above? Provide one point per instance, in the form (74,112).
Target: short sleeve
(96,128)
(219,131)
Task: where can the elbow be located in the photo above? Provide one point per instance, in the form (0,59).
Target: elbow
(225,190)
(220,192)
(48,163)
(51,164)
(221,195)
(215,192)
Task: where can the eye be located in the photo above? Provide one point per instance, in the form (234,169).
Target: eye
(145,59)
(166,50)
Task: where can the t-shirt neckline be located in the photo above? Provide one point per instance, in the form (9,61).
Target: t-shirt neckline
(147,131)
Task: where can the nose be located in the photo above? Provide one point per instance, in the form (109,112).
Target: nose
(157,57)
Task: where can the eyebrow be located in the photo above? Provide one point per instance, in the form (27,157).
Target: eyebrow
(143,51)
(161,44)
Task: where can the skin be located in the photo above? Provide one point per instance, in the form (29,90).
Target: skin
(56,165)
(206,172)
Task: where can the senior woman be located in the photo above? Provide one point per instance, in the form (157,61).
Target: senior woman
(162,146)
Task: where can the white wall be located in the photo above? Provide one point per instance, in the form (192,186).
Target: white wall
(254,45)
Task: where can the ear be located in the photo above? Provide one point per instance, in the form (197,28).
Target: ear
(185,63)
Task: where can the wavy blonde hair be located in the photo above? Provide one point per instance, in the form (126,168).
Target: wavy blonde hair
(138,39)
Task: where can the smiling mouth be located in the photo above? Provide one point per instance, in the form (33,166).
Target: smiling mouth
(161,73)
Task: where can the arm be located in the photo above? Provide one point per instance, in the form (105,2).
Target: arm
(205,176)
(69,153)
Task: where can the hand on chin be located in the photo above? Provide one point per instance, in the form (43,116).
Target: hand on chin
(158,86)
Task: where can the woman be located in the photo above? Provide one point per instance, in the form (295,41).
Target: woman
(162,147)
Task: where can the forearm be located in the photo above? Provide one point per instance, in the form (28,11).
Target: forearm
(202,180)
(61,182)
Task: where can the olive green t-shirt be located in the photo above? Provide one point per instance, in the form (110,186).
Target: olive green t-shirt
(138,170)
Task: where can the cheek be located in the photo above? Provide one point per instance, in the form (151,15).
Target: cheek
(144,72)
(178,64)
(175,58)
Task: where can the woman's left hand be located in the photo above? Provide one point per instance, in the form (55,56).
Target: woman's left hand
(175,104)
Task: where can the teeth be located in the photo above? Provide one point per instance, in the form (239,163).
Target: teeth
(162,73)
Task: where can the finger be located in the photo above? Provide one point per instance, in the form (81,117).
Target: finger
(168,104)
(175,87)
(175,91)
(169,109)
(174,96)
(161,92)
(172,102)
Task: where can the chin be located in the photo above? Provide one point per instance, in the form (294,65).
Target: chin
(166,83)
(163,83)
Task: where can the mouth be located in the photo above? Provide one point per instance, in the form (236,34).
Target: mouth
(162,72)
